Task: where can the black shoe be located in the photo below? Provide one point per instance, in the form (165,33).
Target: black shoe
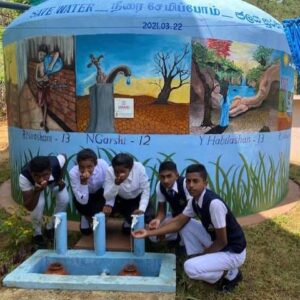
(228,286)
(39,242)
(49,233)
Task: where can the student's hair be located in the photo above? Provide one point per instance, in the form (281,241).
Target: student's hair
(43,48)
(197,168)
(39,164)
(86,154)
(167,166)
(122,159)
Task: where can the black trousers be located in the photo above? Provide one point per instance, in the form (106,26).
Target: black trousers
(94,205)
(126,207)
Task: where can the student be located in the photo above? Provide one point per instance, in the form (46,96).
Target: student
(87,179)
(42,172)
(217,245)
(170,189)
(127,189)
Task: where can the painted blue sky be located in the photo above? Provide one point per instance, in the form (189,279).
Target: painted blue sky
(135,51)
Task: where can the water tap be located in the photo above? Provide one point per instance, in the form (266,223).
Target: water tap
(57,221)
(105,272)
(134,221)
(95,223)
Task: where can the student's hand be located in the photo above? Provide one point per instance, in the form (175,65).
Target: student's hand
(84,177)
(154,224)
(137,212)
(140,234)
(61,185)
(120,178)
(107,209)
(40,186)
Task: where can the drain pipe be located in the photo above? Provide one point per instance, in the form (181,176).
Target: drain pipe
(138,222)
(99,234)
(60,234)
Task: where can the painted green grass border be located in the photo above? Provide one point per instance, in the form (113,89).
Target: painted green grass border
(247,188)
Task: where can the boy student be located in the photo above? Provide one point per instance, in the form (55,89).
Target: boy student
(87,179)
(170,189)
(127,189)
(216,245)
(38,174)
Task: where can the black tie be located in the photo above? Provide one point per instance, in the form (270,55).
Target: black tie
(171,193)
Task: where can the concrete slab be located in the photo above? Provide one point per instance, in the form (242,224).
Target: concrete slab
(87,271)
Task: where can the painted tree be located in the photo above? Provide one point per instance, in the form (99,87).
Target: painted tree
(221,47)
(209,67)
(262,55)
(171,67)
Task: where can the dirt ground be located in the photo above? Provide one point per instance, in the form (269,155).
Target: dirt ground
(22,294)
(3,135)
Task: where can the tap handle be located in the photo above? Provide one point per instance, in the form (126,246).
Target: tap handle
(95,223)
(57,221)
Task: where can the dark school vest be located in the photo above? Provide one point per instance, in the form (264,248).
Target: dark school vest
(178,201)
(235,235)
(55,170)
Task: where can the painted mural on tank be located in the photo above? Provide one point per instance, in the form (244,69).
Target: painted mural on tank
(236,87)
(179,81)
(41,91)
(208,86)
(152,71)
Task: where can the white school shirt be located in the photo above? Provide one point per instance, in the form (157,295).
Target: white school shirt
(26,185)
(160,197)
(95,182)
(136,183)
(217,210)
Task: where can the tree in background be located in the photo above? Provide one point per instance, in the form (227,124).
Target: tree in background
(279,9)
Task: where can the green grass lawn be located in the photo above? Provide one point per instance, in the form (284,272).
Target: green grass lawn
(272,268)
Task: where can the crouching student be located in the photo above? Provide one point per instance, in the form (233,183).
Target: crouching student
(87,179)
(216,245)
(170,189)
(38,174)
(127,190)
